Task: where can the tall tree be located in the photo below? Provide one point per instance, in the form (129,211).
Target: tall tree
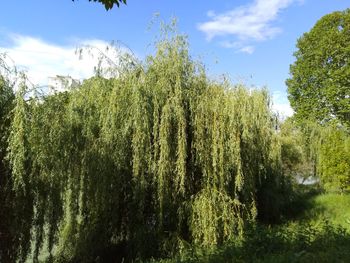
(7,239)
(319,85)
(143,164)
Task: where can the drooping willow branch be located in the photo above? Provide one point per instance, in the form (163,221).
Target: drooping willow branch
(161,154)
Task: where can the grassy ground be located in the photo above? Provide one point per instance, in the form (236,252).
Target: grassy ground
(332,207)
(316,229)
(319,231)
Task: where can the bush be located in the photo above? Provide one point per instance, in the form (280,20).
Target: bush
(334,159)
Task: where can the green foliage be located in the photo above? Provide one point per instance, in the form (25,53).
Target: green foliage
(6,103)
(319,85)
(293,153)
(301,242)
(334,159)
(300,148)
(319,151)
(320,233)
(11,220)
(109,3)
(145,163)
(333,207)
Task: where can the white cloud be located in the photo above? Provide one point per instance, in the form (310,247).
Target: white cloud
(247,49)
(239,47)
(42,60)
(281,104)
(249,23)
(283,109)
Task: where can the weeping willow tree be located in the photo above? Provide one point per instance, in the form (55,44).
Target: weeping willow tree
(6,237)
(143,164)
(13,225)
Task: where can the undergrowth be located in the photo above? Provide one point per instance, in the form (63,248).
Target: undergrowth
(317,231)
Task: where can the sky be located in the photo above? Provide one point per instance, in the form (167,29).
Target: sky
(251,41)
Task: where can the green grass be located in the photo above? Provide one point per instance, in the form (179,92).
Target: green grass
(295,242)
(319,231)
(316,229)
(332,207)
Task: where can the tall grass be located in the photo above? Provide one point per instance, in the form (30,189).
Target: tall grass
(318,232)
(329,206)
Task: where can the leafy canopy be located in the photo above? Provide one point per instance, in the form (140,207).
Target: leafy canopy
(319,85)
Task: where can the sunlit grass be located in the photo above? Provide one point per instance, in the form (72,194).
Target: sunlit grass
(332,207)
(320,233)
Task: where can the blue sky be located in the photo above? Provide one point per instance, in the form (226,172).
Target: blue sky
(251,41)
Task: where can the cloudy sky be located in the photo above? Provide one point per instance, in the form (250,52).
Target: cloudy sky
(252,41)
